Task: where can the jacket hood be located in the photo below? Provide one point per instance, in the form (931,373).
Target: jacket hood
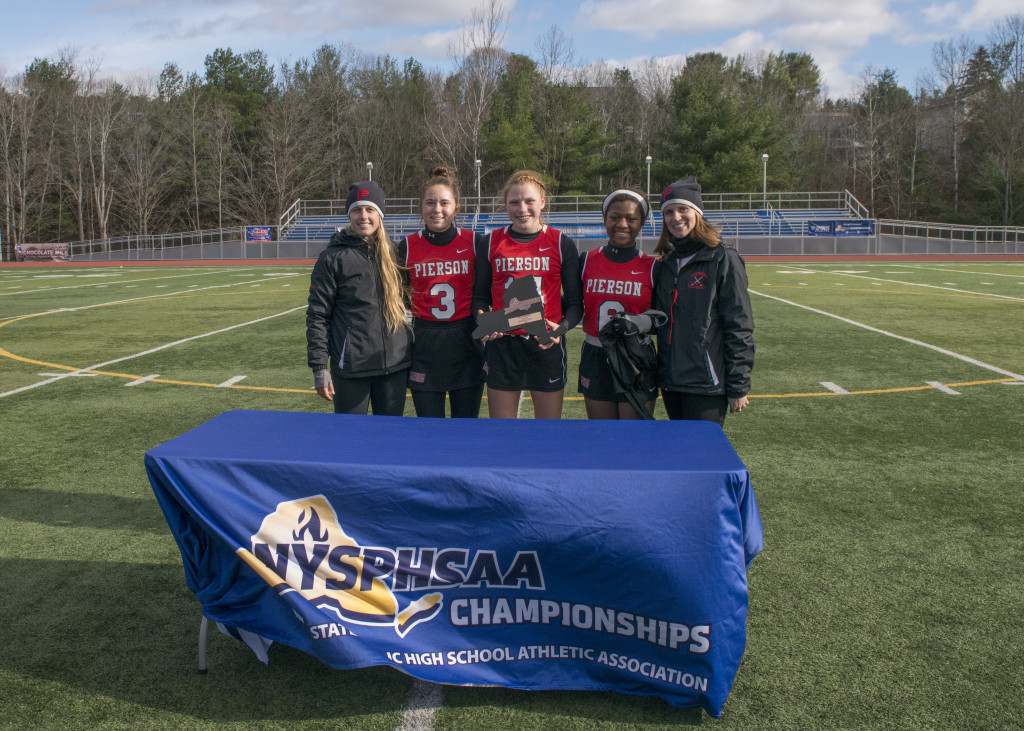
(346,238)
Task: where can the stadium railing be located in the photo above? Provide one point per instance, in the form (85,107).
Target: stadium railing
(773,225)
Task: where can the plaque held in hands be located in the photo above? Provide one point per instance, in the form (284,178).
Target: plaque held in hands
(524,309)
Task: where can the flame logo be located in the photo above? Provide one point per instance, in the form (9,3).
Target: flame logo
(312,526)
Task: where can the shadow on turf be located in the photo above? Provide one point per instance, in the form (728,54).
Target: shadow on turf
(82,510)
(81,632)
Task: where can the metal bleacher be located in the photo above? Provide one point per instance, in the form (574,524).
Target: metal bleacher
(580,217)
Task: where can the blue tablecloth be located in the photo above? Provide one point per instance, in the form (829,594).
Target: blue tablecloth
(528,554)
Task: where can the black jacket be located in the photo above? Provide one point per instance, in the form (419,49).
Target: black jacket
(707,346)
(345,318)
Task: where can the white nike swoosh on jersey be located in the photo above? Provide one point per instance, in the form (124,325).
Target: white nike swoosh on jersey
(461,251)
(635,273)
(546,249)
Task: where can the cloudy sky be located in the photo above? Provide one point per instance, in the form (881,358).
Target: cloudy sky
(137,37)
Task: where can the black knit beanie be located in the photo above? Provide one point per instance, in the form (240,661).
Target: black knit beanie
(365,193)
(683,192)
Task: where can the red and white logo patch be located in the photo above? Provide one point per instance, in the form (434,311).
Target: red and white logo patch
(698,280)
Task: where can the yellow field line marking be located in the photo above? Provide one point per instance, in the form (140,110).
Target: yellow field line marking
(904,389)
(128,376)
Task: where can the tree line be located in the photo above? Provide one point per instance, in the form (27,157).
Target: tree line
(84,158)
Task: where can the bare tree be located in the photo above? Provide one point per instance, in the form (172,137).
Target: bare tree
(950,63)
(292,152)
(1007,40)
(145,168)
(556,55)
(17,120)
(465,99)
(221,153)
(105,105)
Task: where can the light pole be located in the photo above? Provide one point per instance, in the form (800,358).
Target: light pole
(764,182)
(369,171)
(649,160)
(477,164)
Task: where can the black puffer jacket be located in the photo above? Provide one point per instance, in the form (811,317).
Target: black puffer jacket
(345,318)
(707,346)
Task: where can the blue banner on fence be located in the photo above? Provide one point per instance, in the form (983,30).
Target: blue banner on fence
(257,233)
(846,227)
(473,553)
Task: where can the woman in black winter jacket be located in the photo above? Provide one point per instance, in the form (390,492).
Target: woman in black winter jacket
(357,334)
(706,349)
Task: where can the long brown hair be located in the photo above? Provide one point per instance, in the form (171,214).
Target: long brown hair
(703,232)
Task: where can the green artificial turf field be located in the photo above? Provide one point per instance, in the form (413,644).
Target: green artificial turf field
(888,594)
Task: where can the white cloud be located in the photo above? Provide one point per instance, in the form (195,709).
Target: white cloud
(433,45)
(744,44)
(293,15)
(659,18)
(986,12)
(940,13)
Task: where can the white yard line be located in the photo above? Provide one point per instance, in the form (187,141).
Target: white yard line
(231,381)
(881,280)
(939,386)
(162,295)
(836,389)
(960,271)
(937,349)
(107,283)
(144,379)
(148,352)
(424,702)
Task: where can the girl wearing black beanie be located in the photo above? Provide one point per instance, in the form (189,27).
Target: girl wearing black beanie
(706,349)
(357,335)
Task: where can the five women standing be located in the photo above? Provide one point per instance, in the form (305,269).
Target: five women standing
(359,339)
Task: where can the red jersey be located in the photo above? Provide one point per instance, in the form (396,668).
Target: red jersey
(610,287)
(540,259)
(440,277)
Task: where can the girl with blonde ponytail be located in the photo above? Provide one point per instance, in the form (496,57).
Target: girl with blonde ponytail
(527,247)
(357,334)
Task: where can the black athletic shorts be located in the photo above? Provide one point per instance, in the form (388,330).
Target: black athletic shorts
(514,363)
(596,381)
(445,357)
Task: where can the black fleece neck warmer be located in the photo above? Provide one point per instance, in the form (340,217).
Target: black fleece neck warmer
(620,255)
(441,238)
(686,246)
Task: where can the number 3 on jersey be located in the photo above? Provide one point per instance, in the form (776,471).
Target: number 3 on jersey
(447,301)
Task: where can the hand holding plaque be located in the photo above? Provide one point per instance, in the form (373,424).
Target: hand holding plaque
(524,309)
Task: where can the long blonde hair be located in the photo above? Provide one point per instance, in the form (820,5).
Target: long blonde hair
(383,256)
(703,232)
